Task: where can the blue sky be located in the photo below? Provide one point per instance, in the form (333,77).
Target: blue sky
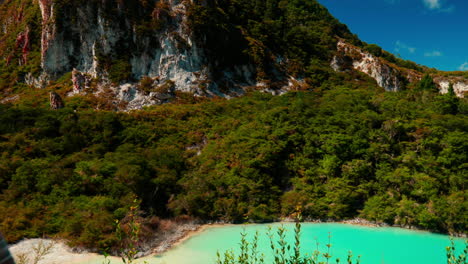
(429,32)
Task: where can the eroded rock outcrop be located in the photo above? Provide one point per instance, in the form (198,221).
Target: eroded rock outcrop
(48,29)
(109,50)
(100,34)
(23,43)
(95,40)
(460,85)
(81,81)
(40,81)
(388,77)
(56,101)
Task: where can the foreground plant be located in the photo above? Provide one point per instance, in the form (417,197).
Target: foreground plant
(283,252)
(452,257)
(38,253)
(128,236)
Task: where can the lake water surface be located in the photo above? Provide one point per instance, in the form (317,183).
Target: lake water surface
(376,245)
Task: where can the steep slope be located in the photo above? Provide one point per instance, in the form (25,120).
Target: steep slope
(128,54)
(202,47)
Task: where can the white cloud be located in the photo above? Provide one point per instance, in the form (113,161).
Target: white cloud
(400,46)
(432,4)
(434,53)
(438,5)
(463,67)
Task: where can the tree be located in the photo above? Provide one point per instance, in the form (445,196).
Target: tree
(427,84)
(451,101)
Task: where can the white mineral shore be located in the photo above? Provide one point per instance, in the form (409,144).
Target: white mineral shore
(57,252)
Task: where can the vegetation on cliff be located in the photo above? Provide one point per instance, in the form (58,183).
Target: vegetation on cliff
(269,41)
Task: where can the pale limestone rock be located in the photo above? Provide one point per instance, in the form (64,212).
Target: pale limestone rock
(386,74)
(80,45)
(170,55)
(352,56)
(460,87)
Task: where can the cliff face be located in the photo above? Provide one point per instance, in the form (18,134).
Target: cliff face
(113,48)
(387,75)
(99,39)
(85,35)
(144,52)
(352,57)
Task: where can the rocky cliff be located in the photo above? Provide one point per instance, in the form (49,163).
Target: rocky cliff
(460,84)
(201,47)
(387,75)
(145,52)
(85,36)
(101,40)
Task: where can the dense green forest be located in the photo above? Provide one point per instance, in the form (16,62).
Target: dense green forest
(338,153)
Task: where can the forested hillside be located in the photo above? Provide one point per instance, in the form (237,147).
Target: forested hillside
(398,158)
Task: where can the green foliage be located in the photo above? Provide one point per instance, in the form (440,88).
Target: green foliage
(343,151)
(18,58)
(146,84)
(449,102)
(119,71)
(397,158)
(129,236)
(295,33)
(374,49)
(427,84)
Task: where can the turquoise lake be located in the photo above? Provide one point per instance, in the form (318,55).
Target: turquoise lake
(375,245)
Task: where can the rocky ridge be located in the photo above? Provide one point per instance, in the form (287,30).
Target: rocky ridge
(387,75)
(171,55)
(113,52)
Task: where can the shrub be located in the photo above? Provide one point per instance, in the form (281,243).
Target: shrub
(146,85)
(119,71)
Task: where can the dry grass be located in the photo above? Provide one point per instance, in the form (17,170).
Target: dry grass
(38,253)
